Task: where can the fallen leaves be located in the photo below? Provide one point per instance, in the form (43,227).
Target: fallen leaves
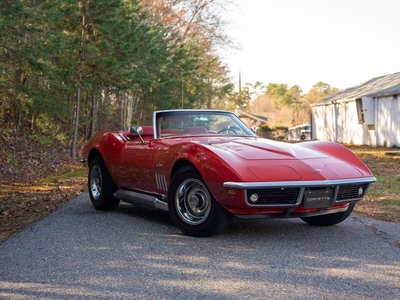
(34,180)
(23,204)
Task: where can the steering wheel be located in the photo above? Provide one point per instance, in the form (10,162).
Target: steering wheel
(227,130)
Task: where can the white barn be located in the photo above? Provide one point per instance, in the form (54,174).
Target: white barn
(367,114)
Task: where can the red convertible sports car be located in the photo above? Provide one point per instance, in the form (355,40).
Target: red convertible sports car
(205,166)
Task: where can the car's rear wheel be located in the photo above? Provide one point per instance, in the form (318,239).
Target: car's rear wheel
(100,185)
(330,219)
(192,207)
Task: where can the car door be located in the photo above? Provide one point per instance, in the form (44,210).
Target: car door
(136,166)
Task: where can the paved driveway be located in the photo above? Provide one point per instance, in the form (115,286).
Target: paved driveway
(79,253)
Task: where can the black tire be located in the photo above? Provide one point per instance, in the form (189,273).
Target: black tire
(330,219)
(100,185)
(192,207)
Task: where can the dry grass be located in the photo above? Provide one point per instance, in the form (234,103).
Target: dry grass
(383,198)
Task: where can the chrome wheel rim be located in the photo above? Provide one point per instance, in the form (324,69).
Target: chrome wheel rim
(193,201)
(95,182)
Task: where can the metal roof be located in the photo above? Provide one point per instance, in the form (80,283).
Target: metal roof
(259,118)
(383,86)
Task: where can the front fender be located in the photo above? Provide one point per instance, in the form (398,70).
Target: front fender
(340,152)
(215,168)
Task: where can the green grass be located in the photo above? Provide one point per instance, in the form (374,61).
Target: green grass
(383,198)
(66,174)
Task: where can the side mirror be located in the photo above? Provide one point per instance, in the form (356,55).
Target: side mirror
(137,131)
(254,129)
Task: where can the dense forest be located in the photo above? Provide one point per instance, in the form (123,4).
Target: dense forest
(72,67)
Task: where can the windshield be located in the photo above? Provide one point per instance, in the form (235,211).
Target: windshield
(202,122)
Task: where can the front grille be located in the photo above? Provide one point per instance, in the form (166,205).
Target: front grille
(294,196)
(274,196)
(350,192)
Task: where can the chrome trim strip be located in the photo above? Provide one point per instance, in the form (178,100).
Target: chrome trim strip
(310,183)
(164,180)
(161,181)
(189,111)
(157,176)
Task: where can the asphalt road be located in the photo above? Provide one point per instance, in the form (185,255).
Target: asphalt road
(80,253)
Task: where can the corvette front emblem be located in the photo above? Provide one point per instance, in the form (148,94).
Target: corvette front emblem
(316,170)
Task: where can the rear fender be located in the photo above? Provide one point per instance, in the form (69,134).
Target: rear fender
(106,144)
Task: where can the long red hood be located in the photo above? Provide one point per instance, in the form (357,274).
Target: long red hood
(303,161)
(256,148)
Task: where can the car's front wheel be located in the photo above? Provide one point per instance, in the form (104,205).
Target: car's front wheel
(192,207)
(330,219)
(100,185)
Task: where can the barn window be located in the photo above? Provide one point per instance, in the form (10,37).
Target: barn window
(366,110)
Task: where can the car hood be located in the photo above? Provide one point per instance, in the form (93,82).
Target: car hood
(258,148)
(299,161)
(302,161)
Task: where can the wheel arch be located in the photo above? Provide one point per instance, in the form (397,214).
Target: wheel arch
(211,166)
(180,164)
(207,161)
(95,152)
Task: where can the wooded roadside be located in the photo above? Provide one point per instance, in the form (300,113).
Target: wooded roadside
(34,181)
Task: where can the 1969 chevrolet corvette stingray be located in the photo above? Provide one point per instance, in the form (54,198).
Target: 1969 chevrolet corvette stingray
(205,166)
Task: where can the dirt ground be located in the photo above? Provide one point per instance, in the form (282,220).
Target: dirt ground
(34,180)
(22,204)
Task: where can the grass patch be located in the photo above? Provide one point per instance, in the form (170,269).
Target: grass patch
(383,198)
(386,186)
(67,174)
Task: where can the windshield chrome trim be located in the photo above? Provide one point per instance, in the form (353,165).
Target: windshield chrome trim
(157,113)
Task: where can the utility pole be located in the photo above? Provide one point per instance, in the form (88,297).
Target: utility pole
(240,84)
(182,92)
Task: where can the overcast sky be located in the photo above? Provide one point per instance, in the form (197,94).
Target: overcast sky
(339,42)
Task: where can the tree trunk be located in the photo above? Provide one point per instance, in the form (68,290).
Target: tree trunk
(93,113)
(122,111)
(76,126)
(80,76)
(129,112)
